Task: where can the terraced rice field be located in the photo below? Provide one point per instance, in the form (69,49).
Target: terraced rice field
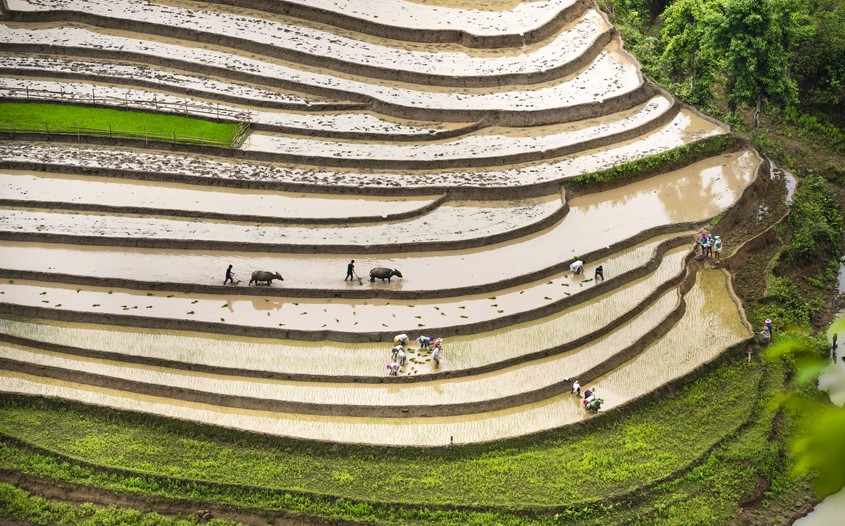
(443,142)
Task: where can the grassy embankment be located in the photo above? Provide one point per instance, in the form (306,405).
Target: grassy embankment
(571,473)
(67,119)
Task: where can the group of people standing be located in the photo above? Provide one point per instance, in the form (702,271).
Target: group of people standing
(711,246)
(400,343)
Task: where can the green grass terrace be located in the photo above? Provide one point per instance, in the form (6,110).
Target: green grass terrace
(52,119)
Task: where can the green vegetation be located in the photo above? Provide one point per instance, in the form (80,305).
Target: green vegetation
(67,119)
(816,222)
(754,53)
(808,261)
(661,162)
(569,471)
(18,504)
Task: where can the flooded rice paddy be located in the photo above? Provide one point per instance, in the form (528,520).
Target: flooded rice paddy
(162,77)
(520,326)
(285,38)
(469,17)
(63,189)
(463,16)
(331,358)
(685,128)
(695,340)
(611,74)
(452,221)
(594,222)
(711,323)
(145,99)
(338,315)
(476,146)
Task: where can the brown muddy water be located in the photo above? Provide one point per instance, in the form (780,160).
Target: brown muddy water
(505,382)
(695,193)
(711,324)
(453,221)
(39,186)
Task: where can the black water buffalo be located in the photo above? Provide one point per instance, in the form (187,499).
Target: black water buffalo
(263,276)
(383,273)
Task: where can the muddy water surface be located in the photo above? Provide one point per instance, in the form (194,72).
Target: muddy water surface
(489,143)
(328,358)
(303,314)
(711,324)
(567,46)
(453,221)
(506,382)
(708,303)
(27,186)
(694,193)
(613,73)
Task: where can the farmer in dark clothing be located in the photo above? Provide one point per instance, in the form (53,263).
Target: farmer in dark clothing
(229,278)
(350,271)
(599,273)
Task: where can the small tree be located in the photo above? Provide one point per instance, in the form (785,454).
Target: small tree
(754,38)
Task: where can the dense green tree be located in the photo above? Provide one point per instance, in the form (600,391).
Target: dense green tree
(819,64)
(688,59)
(754,38)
